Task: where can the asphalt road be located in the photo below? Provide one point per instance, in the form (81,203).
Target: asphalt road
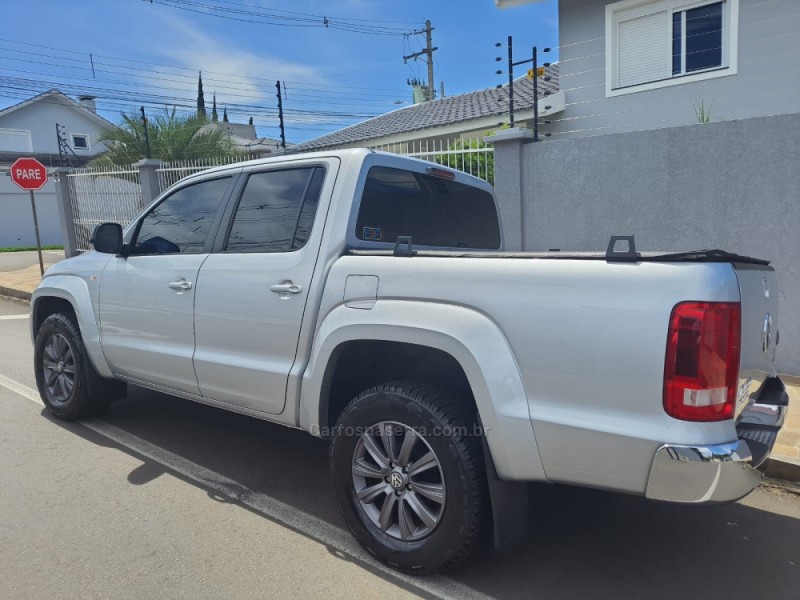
(163,498)
(15,261)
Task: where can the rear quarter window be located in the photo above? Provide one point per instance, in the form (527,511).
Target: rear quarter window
(432,210)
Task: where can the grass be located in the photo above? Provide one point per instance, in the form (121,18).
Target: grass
(28,248)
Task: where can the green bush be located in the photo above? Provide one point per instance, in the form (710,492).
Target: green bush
(480,164)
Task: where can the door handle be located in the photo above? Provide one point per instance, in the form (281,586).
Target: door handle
(285,289)
(180,285)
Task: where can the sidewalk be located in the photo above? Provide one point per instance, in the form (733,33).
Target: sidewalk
(19,271)
(20,284)
(784,461)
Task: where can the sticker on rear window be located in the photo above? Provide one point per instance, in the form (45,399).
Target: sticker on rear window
(372,233)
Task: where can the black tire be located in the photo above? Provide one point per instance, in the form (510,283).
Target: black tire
(89,394)
(447,425)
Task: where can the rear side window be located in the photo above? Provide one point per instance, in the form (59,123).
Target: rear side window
(432,210)
(276,211)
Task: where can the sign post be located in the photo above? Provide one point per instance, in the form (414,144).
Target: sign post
(30,174)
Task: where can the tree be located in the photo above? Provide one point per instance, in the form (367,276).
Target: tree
(250,122)
(225,115)
(201,101)
(214,116)
(480,164)
(171,138)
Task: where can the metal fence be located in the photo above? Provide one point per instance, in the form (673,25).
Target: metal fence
(470,155)
(171,173)
(100,195)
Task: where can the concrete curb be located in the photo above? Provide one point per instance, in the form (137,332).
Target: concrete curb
(783,468)
(15,294)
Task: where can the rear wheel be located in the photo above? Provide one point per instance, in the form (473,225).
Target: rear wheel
(409,476)
(68,383)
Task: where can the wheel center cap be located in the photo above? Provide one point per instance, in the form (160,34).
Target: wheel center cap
(60,367)
(396,480)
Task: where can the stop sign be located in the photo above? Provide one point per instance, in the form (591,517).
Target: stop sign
(28,173)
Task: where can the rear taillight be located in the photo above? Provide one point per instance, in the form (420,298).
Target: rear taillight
(702,366)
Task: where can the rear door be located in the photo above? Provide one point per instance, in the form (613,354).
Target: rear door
(253,289)
(146,304)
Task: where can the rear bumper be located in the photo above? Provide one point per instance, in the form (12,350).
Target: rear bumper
(720,472)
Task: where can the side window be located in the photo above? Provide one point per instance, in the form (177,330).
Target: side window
(276,211)
(181,223)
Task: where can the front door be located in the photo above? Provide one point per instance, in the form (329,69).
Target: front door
(252,292)
(147,298)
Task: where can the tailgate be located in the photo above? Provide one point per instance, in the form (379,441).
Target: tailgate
(759,292)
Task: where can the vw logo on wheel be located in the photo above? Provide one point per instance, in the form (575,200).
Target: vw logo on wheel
(396,480)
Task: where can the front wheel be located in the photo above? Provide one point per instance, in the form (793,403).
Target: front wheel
(409,475)
(68,384)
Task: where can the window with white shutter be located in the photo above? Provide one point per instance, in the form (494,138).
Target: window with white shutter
(656,43)
(643,49)
(15,140)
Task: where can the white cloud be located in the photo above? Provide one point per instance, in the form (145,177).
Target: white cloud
(236,75)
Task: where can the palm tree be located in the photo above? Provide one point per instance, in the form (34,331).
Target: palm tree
(171,138)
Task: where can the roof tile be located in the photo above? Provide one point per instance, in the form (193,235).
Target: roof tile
(437,113)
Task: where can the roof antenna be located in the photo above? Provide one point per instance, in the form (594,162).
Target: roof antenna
(91,60)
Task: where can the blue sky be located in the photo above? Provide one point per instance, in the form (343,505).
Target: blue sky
(149,53)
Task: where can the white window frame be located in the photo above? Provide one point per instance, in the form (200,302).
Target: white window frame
(25,133)
(635,8)
(88,148)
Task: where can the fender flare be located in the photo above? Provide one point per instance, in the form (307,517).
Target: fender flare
(471,338)
(74,290)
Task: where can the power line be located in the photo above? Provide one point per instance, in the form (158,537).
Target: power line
(317,16)
(250,15)
(191,71)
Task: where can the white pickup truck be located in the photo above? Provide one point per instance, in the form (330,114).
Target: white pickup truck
(366,298)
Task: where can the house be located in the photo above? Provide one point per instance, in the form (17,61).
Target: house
(243,136)
(29,129)
(633,65)
(437,123)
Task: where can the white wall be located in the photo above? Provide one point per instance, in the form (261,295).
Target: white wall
(16,220)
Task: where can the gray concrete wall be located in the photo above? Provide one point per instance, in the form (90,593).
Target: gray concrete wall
(734,186)
(767,83)
(16,220)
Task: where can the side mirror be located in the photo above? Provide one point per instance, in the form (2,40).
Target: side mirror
(108,238)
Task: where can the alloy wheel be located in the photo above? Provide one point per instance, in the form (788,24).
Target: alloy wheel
(398,481)
(58,366)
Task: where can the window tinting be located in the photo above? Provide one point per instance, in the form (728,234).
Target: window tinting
(704,37)
(308,210)
(181,223)
(276,211)
(434,211)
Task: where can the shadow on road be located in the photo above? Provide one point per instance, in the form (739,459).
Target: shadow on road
(582,543)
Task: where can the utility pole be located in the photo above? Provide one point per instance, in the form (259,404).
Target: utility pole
(428,52)
(280,114)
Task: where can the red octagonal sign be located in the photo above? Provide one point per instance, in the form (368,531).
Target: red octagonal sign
(28,173)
